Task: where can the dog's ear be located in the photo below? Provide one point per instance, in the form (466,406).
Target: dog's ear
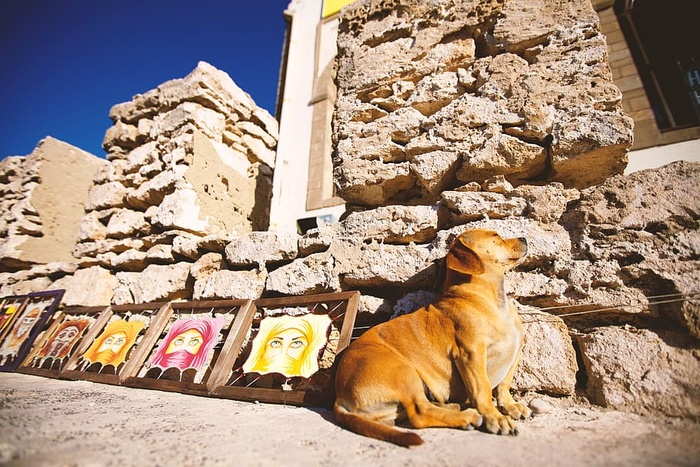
(462,259)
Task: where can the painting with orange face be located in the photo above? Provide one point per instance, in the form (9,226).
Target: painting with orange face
(112,345)
(288,345)
(61,342)
(188,343)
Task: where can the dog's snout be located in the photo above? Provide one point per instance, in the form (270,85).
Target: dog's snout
(523,242)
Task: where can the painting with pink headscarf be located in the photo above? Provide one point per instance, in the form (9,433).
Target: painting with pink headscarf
(188,344)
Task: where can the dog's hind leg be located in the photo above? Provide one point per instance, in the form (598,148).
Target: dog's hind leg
(422,413)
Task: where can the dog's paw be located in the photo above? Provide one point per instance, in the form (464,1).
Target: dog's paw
(472,419)
(500,424)
(516,411)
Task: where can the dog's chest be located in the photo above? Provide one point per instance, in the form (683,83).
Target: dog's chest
(503,352)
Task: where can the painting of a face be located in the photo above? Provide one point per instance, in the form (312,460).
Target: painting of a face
(112,346)
(288,345)
(188,343)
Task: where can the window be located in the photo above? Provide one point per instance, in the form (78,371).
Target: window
(662,36)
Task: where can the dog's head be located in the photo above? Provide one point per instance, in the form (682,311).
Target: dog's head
(476,251)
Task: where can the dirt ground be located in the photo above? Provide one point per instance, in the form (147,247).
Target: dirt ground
(49,422)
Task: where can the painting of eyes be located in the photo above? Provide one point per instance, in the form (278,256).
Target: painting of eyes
(289,345)
(188,343)
(61,342)
(112,345)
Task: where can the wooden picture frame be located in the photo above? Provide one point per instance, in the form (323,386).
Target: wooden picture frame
(10,307)
(54,349)
(189,352)
(301,378)
(25,327)
(115,351)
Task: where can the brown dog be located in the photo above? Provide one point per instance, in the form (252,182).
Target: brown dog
(455,352)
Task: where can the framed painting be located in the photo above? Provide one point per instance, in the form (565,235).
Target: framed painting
(25,325)
(114,351)
(196,337)
(9,306)
(288,349)
(53,350)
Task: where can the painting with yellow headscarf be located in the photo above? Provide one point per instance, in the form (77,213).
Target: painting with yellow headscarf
(288,345)
(113,344)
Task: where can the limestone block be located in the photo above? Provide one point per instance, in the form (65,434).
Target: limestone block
(259,150)
(181,210)
(122,135)
(129,260)
(393,224)
(640,371)
(127,223)
(226,284)
(107,195)
(152,192)
(433,92)
(372,183)
(590,147)
(91,228)
(206,265)
(160,254)
(548,362)
(260,248)
(140,156)
(514,97)
(383,265)
(155,283)
(187,245)
(258,132)
(435,170)
(208,121)
(303,276)
(504,155)
(470,206)
(92,286)
(371,305)
(545,203)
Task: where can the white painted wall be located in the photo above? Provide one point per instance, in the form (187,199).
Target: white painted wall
(661,155)
(290,180)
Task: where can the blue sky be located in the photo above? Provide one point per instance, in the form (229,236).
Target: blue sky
(65,63)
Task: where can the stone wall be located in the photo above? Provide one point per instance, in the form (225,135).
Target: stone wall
(41,200)
(432,95)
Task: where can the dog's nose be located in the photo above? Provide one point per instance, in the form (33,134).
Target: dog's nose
(523,243)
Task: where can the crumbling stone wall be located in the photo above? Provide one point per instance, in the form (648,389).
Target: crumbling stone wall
(41,200)
(432,95)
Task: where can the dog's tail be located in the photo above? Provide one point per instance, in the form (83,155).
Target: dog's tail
(368,427)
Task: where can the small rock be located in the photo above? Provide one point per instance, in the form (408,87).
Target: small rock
(540,406)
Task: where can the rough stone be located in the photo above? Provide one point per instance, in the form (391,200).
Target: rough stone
(260,248)
(154,283)
(304,276)
(641,371)
(227,284)
(514,90)
(548,362)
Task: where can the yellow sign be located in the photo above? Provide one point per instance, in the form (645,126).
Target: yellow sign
(331,7)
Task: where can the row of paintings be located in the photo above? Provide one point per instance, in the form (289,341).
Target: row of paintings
(269,350)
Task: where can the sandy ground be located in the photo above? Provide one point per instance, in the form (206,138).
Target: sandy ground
(53,422)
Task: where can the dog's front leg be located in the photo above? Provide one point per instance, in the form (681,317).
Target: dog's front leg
(471,363)
(505,400)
